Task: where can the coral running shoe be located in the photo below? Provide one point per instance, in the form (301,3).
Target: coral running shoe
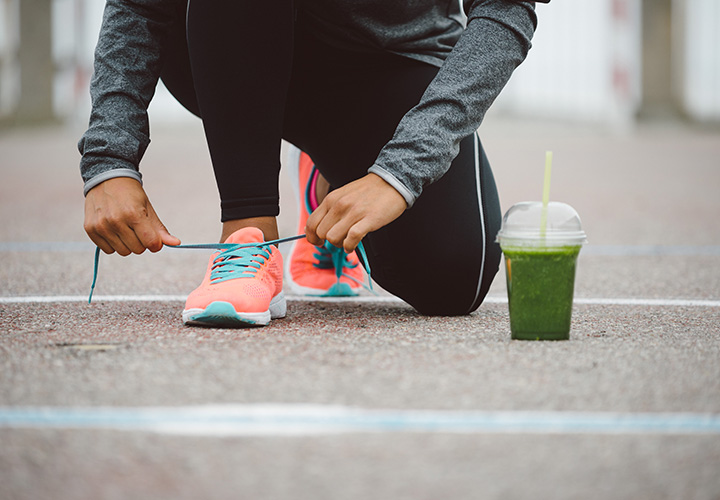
(325,271)
(242,285)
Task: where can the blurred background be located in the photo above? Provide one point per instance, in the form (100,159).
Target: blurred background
(610,62)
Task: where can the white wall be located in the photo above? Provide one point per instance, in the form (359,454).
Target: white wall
(699,57)
(584,64)
(9,41)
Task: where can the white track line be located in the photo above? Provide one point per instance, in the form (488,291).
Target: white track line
(292,419)
(51,299)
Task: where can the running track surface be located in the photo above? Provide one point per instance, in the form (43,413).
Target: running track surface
(365,399)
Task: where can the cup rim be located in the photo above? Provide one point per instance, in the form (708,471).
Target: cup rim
(535,236)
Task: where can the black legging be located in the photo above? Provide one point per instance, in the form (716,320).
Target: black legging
(257,77)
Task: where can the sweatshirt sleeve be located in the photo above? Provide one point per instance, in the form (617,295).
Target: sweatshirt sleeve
(427,139)
(126,71)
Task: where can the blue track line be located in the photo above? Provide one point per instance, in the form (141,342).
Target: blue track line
(313,419)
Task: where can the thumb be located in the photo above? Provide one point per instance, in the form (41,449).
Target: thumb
(166,237)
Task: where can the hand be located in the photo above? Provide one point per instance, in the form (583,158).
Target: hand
(119,218)
(347,214)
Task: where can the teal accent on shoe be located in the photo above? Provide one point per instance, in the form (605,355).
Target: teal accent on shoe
(309,190)
(337,290)
(221,314)
(340,290)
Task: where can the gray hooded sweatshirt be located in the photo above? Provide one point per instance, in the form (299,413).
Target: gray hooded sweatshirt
(477,44)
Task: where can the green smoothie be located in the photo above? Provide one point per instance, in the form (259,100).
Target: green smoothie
(540,282)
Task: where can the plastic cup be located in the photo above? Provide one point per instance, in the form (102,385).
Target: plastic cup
(540,267)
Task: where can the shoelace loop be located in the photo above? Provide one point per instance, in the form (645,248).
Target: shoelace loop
(329,256)
(237,260)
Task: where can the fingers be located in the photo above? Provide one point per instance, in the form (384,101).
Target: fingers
(349,213)
(313,221)
(118,235)
(119,218)
(334,226)
(345,227)
(330,222)
(355,235)
(344,231)
(110,233)
(101,243)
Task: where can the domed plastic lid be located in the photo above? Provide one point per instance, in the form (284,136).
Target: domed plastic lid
(521,225)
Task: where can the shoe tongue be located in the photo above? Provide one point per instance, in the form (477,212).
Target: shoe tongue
(246,235)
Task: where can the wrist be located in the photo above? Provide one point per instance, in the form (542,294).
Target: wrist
(112,174)
(390,179)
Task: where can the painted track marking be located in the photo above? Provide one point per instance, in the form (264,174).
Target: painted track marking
(279,419)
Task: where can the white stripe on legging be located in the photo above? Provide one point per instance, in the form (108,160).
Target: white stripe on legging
(476,145)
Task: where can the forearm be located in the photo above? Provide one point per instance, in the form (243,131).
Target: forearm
(427,139)
(128,61)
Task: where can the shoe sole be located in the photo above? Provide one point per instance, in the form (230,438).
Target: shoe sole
(222,313)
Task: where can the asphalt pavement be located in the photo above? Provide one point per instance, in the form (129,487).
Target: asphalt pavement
(365,398)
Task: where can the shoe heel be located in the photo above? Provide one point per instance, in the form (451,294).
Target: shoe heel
(278,306)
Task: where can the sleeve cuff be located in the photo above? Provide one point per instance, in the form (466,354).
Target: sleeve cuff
(111,174)
(394,182)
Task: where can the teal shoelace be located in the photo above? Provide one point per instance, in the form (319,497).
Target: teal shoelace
(242,260)
(329,256)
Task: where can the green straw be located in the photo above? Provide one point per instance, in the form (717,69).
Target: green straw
(546,194)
